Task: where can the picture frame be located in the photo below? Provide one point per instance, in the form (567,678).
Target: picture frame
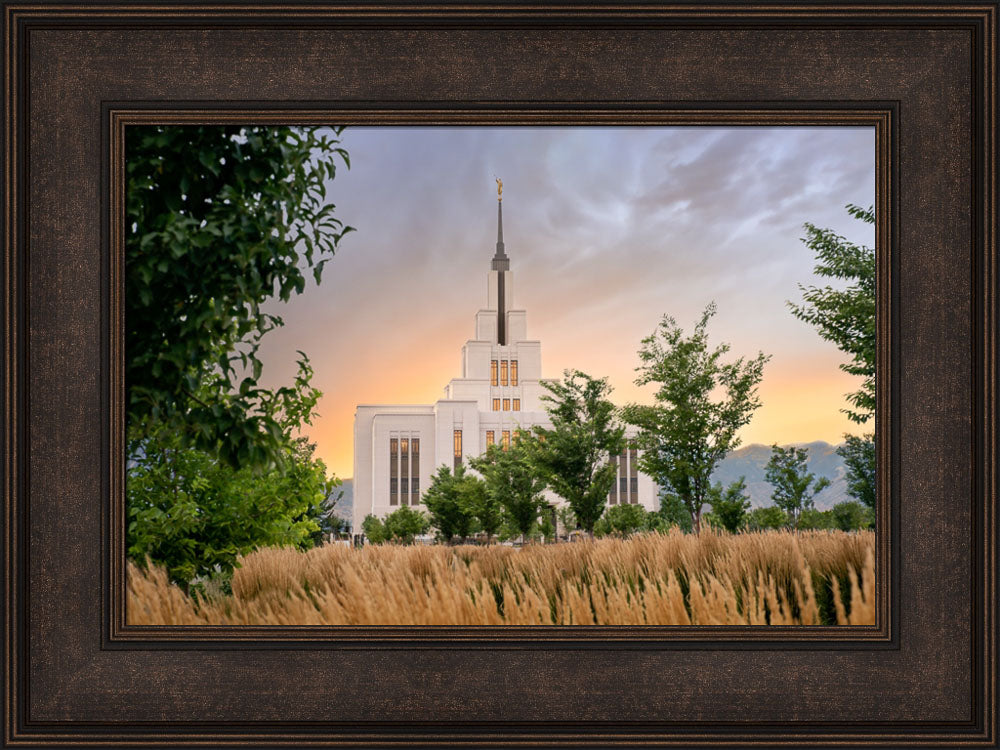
(76,75)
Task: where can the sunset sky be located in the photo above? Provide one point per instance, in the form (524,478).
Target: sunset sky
(607,230)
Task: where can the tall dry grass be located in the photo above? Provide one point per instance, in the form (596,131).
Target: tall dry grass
(777,578)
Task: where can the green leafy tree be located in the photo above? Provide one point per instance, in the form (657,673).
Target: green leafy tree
(375,530)
(622,520)
(846,316)
(816,520)
(404,524)
(730,504)
(219,220)
(859,460)
(512,487)
(451,501)
(574,456)
(567,518)
(687,432)
(546,526)
(675,513)
(771,517)
(195,514)
(794,486)
(851,515)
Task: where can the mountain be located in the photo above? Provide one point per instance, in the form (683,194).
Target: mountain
(344,507)
(751,460)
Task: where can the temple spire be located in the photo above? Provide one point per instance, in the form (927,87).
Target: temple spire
(500,260)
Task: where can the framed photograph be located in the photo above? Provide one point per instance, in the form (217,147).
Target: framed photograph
(778,221)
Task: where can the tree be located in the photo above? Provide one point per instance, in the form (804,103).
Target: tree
(846,317)
(814,519)
(451,502)
(859,460)
(771,517)
(851,515)
(403,524)
(375,530)
(794,486)
(687,432)
(218,221)
(511,487)
(622,520)
(195,514)
(675,513)
(730,505)
(574,456)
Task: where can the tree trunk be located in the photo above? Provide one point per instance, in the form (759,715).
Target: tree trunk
(697,521)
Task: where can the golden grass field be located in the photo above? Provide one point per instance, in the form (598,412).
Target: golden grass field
(775,577)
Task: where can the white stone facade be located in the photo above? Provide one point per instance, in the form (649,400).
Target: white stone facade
(498,392)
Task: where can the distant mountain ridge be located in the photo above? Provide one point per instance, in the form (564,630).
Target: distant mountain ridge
(751,461)
(344,507)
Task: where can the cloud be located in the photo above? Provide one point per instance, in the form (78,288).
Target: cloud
(607,229)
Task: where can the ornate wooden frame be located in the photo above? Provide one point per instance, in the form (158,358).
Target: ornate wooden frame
(923,75)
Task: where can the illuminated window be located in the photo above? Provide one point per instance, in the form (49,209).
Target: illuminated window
(490,438)
(506,404)
(458,448)
(493,372)
(513,372)
(505,438)
(503,372)
(415,471)
(393,471)
(496,404)
(404,471)
(517,404)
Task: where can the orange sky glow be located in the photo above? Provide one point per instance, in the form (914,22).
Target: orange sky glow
(607,229)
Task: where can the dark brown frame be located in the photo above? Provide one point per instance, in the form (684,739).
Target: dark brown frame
(923,75)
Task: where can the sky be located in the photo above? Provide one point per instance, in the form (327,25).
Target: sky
(607,230)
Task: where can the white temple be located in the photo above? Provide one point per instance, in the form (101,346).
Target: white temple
(398,447)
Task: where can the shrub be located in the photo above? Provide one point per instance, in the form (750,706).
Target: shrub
(770,517)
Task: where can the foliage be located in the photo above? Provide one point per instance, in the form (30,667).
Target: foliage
(574,455)
(546,528)
(195,513)
(674,512)
(567,518)
(851,515)
(403,524)
(623,520)
(218,221)
(685,435)
(771,517)
(813,519)
(730,505)
(859,460)
(512,487)
(374,529)
(845,316)
(794,486)
(452,501)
